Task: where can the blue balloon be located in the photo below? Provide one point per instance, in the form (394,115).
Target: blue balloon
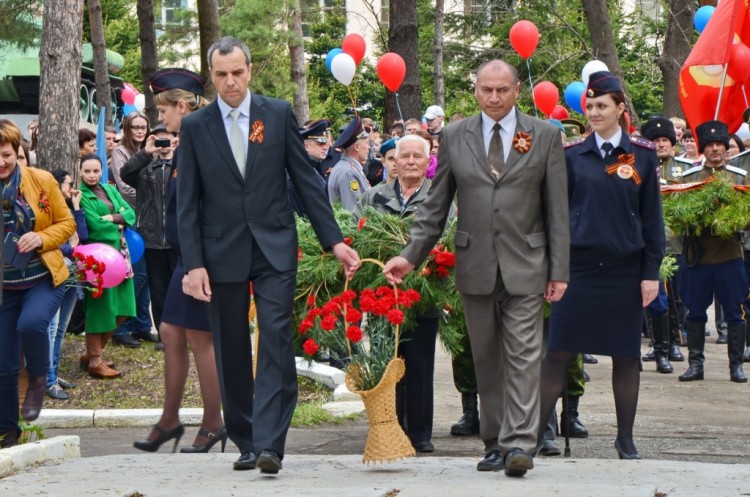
(135,244)
(331,54)
(127,109)
(573,94)
(702,16)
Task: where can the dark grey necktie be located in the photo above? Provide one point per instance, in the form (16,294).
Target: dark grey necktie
(495,156)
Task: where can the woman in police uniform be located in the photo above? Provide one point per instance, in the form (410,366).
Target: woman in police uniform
(617,243)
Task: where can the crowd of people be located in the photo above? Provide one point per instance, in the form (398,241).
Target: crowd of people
(557,211)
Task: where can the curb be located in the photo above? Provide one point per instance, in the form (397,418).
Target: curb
(344,403)
(20,457)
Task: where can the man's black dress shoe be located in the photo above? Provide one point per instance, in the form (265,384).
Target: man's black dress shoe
(589,359)
(126,340)
(248,460)
(269,462)
(144,336)
(493,461)
(517,462)
(423,447)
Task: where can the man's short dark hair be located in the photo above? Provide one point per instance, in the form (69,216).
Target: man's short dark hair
(225,46)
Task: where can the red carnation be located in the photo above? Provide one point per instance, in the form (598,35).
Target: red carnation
(353,316)
(354,333)
(314,312)
(361,223)
(311,300)
(366,303)
(348,240)
(310,347)
(348,296)
(442,272)
(299,254)
(304,326)
(426,271)
(328,323)
(395,316)
(381,307)
(446,259)
(98,292)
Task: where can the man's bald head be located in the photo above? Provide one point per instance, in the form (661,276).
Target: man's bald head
(497,65)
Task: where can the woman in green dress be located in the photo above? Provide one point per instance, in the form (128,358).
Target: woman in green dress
(107,214)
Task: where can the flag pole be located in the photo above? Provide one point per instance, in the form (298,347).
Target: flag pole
(721,91)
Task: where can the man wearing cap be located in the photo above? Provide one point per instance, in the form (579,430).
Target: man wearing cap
(742,161)
(316,145)
(434,117)
(714,264)
(347,180)
(236,226)
(507,171)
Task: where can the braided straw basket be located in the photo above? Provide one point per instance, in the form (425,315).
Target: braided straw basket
(386,441)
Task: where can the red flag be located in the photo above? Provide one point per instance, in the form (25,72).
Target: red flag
(724,40)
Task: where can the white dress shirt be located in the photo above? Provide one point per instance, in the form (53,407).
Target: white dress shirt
(243,121)
(508,128)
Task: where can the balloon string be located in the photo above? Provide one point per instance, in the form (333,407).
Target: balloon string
(398,107)
(531,85)
(353,99)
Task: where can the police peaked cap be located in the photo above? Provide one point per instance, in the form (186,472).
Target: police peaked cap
(176,78)
(603,83)
(353,132)
(659,127)
(316,131)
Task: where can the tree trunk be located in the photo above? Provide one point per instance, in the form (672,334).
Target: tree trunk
(101,69)
(210,31)
(297,56)
(603,43)
(149,61)
(402,39)
(60,80)
(677,46)
(438,50)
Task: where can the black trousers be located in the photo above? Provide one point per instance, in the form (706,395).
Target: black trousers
(415,393)
(257,413)
(160,264)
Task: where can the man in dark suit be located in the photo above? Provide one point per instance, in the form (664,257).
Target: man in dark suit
(512,249)
(235,226)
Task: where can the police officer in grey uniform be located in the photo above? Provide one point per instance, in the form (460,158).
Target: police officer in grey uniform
(347,181)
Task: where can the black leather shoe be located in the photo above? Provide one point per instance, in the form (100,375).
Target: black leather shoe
(164,437)
(145,336)
(722,338)
(649,355)
(517,462)
(675,354)
(589,359)
(493,461)
(248,460)
(624,455)
(663,365)
(269,462)
(126,341)
(32,404)
(423,447)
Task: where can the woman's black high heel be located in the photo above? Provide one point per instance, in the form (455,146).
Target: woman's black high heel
(164,436)
(213,439)
(625,455)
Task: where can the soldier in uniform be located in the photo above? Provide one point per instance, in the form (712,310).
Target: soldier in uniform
(714,264)
(347,180)
(742,161)
(661,132)
(316,145)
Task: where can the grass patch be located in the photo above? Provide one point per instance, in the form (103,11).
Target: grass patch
(142,384)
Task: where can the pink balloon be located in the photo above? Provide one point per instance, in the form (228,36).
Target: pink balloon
(354,45)
(128,95)
(115,267)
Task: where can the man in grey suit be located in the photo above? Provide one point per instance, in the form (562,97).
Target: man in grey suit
(235,226)
(512,249)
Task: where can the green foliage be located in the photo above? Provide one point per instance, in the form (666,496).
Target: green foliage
(20,27)
(668,268)
(29,432)
(717,208)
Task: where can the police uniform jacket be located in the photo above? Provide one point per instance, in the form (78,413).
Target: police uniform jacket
(346,183)
(611,212)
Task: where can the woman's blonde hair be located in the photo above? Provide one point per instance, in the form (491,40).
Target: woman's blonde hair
(173,96)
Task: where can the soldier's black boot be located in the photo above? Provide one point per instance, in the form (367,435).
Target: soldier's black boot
(696,337)
(570,425)
(661,342)
(746,355)
(469,422)
(735,348)
(675,354)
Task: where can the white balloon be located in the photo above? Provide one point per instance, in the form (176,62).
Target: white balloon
(343,68)
(592,67)
(140,101)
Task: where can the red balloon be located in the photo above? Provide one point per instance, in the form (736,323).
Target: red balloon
(583,103)
(739,62)
(391,70)
(355,46)
(559,112)
(546,96)
(524,37)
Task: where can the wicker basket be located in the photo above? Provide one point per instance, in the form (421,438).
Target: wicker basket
(386,441)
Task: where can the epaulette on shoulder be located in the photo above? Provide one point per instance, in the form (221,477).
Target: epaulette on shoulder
(741,157)
(691,170)
(736,170)
(642,142)
(683,160)
(574,143)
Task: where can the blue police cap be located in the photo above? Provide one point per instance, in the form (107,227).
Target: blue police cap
(659,127)
(388,145)
(176,78)
(710,132)
(603,83)
(353,132)
(316,131)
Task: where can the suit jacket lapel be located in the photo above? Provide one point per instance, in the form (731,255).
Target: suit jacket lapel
(215,124)
(257,114)
(476,143)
